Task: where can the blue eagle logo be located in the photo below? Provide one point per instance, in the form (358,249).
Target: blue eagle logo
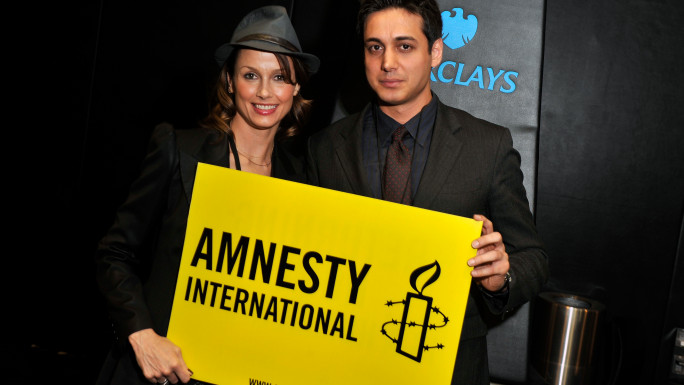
(458,30)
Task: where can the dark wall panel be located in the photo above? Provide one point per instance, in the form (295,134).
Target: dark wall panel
(50,311)
(611,165)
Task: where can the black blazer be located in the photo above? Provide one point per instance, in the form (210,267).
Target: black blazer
(137,260)
(472,168)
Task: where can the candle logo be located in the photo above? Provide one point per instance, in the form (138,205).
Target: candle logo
(417,316)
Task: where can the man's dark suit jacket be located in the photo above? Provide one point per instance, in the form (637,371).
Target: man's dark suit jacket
(472,168)
(138,259)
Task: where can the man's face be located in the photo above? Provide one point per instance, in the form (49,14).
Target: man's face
(398,60)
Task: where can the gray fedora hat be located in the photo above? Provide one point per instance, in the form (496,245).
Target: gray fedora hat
(267,29)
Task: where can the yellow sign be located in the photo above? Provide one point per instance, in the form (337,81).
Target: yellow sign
(288,284)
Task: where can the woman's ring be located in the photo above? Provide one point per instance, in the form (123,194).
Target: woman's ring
(165,382)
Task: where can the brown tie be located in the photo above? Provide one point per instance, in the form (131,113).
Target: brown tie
(397,169)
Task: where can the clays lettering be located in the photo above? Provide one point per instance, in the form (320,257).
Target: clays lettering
(450,72)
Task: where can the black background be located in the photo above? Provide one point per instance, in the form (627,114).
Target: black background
(88,81)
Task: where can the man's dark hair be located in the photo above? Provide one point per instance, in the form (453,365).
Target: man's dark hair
(426,9)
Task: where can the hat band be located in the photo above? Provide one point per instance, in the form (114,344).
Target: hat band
(270,39)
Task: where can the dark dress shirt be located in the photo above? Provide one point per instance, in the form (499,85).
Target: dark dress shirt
(378,127)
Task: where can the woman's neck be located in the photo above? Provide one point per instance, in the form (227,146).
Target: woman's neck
(254,147)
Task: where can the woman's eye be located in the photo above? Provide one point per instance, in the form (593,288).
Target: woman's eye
(279,78)
(250,75)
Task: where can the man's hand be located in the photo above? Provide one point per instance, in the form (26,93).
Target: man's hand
(490,264)
(159,358)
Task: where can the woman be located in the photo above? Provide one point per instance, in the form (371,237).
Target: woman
(257,103)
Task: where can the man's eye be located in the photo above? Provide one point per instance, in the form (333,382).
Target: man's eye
(405,47)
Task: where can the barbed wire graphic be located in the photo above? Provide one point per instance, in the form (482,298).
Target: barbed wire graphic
(421,317)
(432,326)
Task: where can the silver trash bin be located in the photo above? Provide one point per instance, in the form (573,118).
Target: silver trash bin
(565,338)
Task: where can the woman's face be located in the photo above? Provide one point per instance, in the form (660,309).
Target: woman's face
(262,97)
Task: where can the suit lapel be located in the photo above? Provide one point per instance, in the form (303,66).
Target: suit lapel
(444,150)
(347,144)
(200,148)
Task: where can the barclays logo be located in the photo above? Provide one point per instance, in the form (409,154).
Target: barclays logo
(458,31)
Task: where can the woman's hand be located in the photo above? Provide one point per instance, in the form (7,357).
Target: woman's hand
(159,358)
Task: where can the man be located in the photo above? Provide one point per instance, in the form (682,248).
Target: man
(452,163)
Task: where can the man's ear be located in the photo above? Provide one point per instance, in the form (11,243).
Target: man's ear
(436,52)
